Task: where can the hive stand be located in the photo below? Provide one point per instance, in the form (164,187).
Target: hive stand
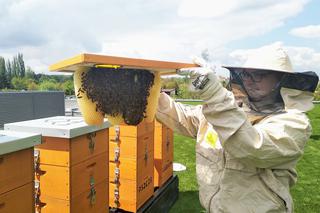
(17,171)
(71,173)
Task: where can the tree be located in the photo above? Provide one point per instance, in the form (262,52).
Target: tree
(9,73)
(22,69)
(15,67)
(3,74)
(18,67)
(19,83)
(32,85)
(68,87)
(49,85)
(30,74)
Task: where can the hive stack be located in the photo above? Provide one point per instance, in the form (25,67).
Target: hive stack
(17,171)
(71,174)
(163,154)
(131,165)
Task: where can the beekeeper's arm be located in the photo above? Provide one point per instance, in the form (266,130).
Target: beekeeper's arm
(273,143)
(179,117)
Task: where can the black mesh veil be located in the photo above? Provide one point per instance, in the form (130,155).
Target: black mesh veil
(305,81)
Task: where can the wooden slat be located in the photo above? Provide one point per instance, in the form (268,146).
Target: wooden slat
(65,182)
(131,147)
(82,173)
(80,150)
(163,154)
(71,64)
(142,129)
(80,203)
(54,151)
(16,169)
(132,198)
(55,182)
(20,200)
(130,169)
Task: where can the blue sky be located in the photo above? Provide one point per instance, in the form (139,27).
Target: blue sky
(309,16)
(48,31)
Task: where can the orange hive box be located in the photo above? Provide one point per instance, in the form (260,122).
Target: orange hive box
(17,171)
(82,63)
(163,154)
(71,173)
(131,165)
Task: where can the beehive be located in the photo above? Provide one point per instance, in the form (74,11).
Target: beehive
(82,64)
(131,165)
(17,171)
(163,154)
(71,173)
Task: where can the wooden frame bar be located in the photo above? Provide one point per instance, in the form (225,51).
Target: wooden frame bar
(90,60)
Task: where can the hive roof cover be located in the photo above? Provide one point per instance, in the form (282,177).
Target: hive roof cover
(11,141)
(90,60)
(57,126)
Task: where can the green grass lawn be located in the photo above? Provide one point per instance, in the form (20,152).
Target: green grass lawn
(306,193)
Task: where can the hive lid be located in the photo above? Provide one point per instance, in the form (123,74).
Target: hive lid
(90,60)
(11,141)
(58,126)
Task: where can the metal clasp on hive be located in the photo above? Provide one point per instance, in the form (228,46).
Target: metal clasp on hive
(117,176)
(116,155)
(91,137)
(117,136)
(92,194)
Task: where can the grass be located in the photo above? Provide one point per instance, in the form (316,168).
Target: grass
(305,193)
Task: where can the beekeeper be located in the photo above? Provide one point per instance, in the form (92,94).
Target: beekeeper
(248,141)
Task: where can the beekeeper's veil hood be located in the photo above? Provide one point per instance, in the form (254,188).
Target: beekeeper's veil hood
(294,89)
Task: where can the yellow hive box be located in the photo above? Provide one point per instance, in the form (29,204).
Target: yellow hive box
(17,171)
(131,165)
(71,170)
(163,154)
(81,64)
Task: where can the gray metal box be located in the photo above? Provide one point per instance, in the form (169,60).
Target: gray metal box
(21,106)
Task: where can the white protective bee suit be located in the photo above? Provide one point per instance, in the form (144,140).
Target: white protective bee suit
(243,167)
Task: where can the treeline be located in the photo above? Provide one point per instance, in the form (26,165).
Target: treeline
(14,76)
(181,87)
(180,84)
(11,69)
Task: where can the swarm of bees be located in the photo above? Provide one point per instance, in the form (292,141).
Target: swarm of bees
(120,91)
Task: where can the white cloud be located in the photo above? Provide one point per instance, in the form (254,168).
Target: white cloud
(310,31)
(206,8)
(51,30)
(304,58)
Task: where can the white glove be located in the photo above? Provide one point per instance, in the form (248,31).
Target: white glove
(199,76)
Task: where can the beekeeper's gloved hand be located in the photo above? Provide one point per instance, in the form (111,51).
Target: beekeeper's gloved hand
(200,77)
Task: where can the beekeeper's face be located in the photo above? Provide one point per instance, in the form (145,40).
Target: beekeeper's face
(259,83)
